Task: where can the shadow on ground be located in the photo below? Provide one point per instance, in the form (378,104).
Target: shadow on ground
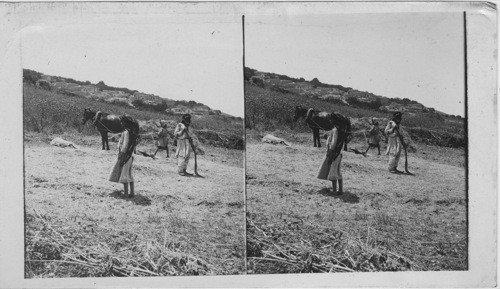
(137,199)
(345,197)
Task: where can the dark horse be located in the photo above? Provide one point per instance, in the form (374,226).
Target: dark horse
(322,120)
(104,123)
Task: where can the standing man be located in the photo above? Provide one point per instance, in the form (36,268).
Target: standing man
(374,137)
(181,132)
(394,143)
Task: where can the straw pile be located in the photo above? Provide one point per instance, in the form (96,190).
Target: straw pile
(287,249)
(52,250)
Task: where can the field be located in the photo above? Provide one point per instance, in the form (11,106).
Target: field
(78,224)
(382,221)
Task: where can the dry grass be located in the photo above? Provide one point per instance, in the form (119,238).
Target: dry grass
(78,224)
(54,252)
(382,222)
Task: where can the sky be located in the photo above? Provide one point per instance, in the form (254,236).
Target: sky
(185,57)
(419,56)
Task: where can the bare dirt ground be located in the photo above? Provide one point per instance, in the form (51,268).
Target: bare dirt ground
(178,225)
(382,221)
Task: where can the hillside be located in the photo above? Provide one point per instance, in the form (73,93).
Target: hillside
(116,95)
(270,100)
(53,113)
(335,93)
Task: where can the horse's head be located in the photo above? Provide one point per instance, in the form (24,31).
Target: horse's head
(87,114)
(299,112)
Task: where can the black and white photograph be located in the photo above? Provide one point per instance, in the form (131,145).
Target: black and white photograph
(248,144)
(356,143)
(133,167)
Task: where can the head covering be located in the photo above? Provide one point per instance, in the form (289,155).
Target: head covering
(397,114)
(186,118)
(133,127)
(130,123)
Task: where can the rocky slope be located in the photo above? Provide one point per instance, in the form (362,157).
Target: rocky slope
(116,95)
(334,93)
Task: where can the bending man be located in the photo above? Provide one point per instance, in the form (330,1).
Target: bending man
(374,137)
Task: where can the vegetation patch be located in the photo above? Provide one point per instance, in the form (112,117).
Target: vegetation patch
(272,109)
(52,252)
(281,250)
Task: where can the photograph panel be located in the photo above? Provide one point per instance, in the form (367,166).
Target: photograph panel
(356,143)
(133,166)
(65,225)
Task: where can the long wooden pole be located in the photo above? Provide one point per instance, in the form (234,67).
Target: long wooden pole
(406,152)
(195,160)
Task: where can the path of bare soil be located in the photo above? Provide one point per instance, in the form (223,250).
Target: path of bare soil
(201,218)
(382,221)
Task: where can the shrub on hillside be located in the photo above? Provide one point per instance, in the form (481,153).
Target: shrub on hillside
(430,136)
(278,88)
(374,104)
(257,81)
(158,107)
(43,84)
(220,139)
(31,76)
(248,73)
(427,120)
(138,102)
(102,86)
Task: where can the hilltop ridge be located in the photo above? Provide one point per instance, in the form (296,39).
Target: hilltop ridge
(116,95)
(337,94)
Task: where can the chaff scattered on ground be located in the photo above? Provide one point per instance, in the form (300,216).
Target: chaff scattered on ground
(61,253)
(288,252)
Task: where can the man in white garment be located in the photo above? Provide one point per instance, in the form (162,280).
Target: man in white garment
(183,152)
(394,144)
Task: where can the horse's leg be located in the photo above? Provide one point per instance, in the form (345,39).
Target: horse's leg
(104,136)
(318,138)
(102,140)
(106,140)
(166,147)
(314,137)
